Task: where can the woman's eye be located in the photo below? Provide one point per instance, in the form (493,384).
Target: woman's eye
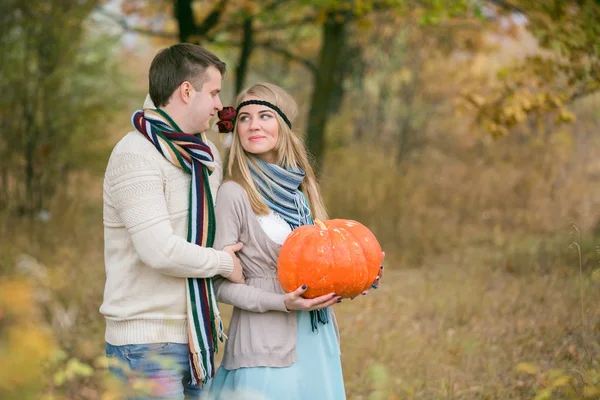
(265,116)
(244,118)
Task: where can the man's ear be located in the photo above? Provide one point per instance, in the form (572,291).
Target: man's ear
(185,92)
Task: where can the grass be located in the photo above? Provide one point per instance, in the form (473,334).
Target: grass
(448,331)
(460,332)
(502,316)
(458,327)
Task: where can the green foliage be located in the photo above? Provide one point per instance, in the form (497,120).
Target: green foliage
(62,85)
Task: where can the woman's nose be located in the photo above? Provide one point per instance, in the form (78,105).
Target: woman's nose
(254,124)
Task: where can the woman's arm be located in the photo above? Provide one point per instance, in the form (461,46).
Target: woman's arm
(231,215)
(247,297)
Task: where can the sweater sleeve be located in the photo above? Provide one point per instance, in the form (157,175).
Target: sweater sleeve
(135,187)
(231,214)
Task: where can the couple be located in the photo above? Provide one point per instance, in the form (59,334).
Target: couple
(177,240)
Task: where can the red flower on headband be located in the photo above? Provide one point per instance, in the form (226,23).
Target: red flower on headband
(227,119)
(225,126)
(227,114)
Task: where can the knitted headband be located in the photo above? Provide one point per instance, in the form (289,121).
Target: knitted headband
(264,103)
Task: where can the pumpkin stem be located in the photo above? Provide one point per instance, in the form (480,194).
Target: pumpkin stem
(320,224)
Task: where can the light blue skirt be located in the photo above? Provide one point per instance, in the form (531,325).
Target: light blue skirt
(317,374)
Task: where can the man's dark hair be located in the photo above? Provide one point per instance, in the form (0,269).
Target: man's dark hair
(176,64)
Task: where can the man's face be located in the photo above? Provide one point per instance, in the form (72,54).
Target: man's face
(205,102)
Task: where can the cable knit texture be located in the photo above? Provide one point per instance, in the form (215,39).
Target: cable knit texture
(147,256)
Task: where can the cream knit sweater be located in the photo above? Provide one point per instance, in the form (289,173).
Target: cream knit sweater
(146,253)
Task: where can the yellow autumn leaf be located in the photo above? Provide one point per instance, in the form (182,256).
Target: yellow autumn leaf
(544,395)
(405,75)
(28,339)
(566,116)
(526,103)
(560,382)
(251,8)
(18,367)
(101,362)
(556,373)
(364,24)
(590,392)
(322,17)
(112,395)
(77,368)
(16,298)
(477,99)
(59,378)
(527,368)
(170,26)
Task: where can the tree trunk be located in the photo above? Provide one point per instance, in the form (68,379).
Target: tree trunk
(324,84)
(28,201)
(245,52)
(185,19)
(191,32)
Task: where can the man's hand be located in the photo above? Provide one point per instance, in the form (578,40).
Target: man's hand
(295,301)
(237,275)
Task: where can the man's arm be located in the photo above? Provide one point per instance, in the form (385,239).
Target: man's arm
(136,189)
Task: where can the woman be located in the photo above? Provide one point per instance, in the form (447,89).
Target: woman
(280,346)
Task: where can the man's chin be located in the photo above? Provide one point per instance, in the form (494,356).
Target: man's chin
(200,130)
(204,128)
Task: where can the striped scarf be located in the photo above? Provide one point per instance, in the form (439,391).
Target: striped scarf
(279,189)
(191,154)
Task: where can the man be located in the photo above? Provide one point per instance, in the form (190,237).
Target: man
(159,191)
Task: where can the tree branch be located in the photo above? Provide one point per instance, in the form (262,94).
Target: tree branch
(584,91)
(270,46)
(273,27)
(274,4)
(507,6)
(122,22)
(212,19)
(274,48)
(189,31)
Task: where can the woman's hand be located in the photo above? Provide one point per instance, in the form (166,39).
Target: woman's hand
(295,301)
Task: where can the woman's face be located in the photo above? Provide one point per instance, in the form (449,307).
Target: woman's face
(258,130)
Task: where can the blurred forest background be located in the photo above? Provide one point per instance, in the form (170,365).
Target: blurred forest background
(464,133)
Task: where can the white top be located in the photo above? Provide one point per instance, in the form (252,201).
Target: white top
(274,226)
(146,253)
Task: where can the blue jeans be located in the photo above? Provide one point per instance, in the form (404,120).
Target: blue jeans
(153,371)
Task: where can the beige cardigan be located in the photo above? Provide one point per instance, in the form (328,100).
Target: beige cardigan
(262,333)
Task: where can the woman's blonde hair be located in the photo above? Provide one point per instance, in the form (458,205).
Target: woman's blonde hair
(290,149)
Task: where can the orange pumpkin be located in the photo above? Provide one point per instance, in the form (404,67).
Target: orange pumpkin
(336,256)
